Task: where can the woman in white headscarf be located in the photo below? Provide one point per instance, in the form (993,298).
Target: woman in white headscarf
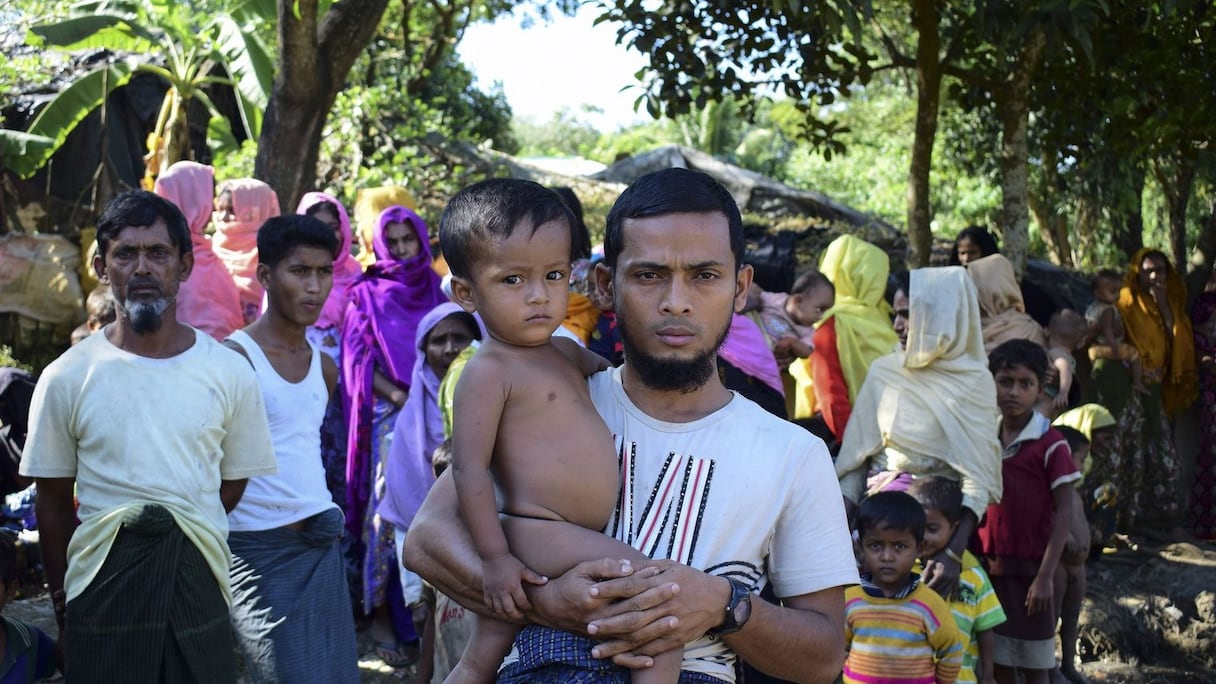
(930,410)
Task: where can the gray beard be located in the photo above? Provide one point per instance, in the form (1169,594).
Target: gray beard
(146,317)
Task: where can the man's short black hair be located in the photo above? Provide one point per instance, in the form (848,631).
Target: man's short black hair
(939,494)
(281,234)
(1024,353)
(488,212)
(671,191)
(898,282)
(892,511)
(142,208)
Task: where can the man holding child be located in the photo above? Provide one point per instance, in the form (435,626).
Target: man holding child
(723,496)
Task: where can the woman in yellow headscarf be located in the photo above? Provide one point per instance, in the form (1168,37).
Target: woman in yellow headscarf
(854,332)
(1153,306)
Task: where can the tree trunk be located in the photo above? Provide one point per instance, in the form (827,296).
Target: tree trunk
(1177,180)
(314,59)
(1013,101)
(1044,204)
(928,93)
(1128,225)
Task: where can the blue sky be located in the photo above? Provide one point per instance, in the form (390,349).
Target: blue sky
(567,63)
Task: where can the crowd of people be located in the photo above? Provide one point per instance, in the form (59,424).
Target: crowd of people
(525,458)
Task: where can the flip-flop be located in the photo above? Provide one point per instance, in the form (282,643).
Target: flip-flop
(392,654)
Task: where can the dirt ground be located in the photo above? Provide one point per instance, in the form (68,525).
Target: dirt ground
(1149,618)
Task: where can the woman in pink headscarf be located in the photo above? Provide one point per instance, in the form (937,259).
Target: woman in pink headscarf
(208,299)
(326,334)
(385,308)
(241,207)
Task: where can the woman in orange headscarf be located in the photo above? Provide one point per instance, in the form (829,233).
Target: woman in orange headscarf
(1153,306)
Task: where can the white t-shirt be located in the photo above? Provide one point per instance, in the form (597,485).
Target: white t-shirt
(134,430)
(294,411)
(738,493)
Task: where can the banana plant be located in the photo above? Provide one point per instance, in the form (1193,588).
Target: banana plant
(162,37)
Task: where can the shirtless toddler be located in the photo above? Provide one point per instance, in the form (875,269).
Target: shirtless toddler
(524,427)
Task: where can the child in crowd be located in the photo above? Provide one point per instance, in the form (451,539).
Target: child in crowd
(29,653)
(1076,552)
(896,629)
(975,606)
(1107,332)
(789,319)
(508,244)
(99,312)
(1023,536)
(1066,332)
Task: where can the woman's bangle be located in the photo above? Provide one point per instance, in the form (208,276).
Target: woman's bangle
(953,556)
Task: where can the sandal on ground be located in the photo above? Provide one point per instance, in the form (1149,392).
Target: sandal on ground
(395,654)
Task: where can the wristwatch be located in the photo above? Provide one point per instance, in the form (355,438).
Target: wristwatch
(738,608)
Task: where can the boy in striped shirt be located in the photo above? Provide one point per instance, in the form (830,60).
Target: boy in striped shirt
(974,603)
(896,629)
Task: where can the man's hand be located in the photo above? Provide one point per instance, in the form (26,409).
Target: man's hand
(941,574)
(651,615)
(571,601)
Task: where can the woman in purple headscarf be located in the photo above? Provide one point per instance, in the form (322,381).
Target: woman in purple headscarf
(386,305)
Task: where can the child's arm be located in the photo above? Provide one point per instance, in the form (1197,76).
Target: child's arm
(586,361)
(1040,595)
(481,394)
(947,646)
(987,645)
(385,388)
(1064,369)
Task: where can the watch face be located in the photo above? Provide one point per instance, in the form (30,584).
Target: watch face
(742,612)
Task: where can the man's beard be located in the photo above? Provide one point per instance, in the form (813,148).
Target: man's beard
(146,317)
(671,375)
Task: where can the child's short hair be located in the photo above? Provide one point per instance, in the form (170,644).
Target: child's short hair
(9,571)
(1106,275)
(489,212)
(1075,438)
(893,511)
(810,280)
(939,494)
(281,234)
(1024,353)
(1068,322)
(441,457)
(99,306)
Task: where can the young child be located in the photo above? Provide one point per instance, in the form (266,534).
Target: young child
(1106,327)
(975,606)
(1065,332)
(29,653)
(788,320)
(1076,552)
(896,629)
(1023,536)
(507,243)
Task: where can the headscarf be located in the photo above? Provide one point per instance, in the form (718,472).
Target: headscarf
(1086,418)
(419,428)
(369,202)
(346,269)
(208,299)
(746,349)
(1002,311)
(386,305)
(1146,331)
(935,399)
(236,241)
(858,270)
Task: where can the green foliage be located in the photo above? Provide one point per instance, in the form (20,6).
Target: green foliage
(7,360)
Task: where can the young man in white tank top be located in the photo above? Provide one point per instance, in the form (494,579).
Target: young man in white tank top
(291,608)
